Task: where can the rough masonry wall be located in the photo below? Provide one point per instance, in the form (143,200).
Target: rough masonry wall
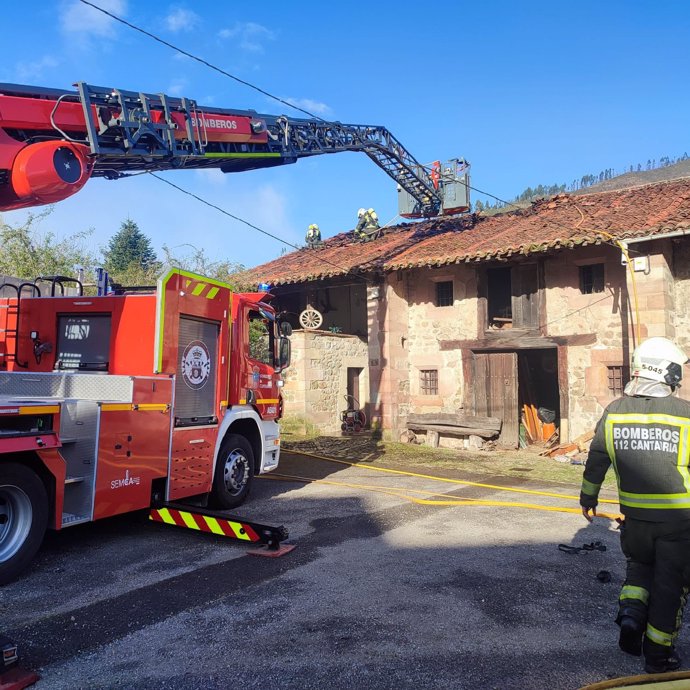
(427,326)
(316,381)
(679,263)
(610,315)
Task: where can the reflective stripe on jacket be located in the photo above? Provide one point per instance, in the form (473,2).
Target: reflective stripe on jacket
(648,442)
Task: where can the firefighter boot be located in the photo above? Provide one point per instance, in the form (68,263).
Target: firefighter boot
(660,659)
(632,623)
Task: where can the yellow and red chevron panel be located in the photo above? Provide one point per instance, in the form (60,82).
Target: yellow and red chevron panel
(205,523)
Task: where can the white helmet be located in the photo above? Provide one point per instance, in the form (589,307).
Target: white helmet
(658,359)
(361,212)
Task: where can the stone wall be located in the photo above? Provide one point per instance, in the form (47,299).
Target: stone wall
(605,314)
(635,305)
(405,327)
(415,327)
(316,381)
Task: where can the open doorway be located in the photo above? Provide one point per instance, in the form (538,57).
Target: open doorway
(538,396)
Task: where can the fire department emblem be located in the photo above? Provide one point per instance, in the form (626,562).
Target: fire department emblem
(196,364)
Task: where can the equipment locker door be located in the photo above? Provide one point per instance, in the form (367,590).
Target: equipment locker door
(496,392)
(192,344)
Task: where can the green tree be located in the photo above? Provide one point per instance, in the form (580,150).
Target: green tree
(28,252)
(197,261)
(129,246)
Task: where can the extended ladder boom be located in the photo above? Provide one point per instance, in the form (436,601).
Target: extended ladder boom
(52,142)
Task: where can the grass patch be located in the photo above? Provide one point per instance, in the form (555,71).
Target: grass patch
(524,464)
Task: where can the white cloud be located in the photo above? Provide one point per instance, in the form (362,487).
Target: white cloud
(249,36)
(212,176)
(177,88)
(31,71)
(316,107)
(180,19)
(75,17)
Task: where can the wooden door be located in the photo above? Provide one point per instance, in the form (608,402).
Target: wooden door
(495,388)
(525,299)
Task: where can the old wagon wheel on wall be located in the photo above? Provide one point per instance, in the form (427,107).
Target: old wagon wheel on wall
(310,319)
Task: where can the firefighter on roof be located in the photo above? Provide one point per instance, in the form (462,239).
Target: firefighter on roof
(313,237)
(646,435)
(368,227)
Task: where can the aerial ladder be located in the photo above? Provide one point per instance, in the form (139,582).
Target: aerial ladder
(53,141)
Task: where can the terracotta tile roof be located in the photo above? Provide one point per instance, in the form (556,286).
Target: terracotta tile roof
(564,221)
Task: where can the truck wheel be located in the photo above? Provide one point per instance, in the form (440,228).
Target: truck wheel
(234,472)
(23,518)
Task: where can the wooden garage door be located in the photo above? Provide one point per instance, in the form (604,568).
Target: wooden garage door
(496,392)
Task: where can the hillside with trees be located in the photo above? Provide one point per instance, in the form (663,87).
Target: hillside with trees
(666,168)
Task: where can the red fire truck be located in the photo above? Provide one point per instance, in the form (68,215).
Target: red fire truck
(117,402)
(113,403)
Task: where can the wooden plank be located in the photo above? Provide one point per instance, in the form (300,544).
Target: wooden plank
(482,302)
(453,430)
(563,383)
(519,340)
(541,311)
(481,384)
(504,400)
(456,420)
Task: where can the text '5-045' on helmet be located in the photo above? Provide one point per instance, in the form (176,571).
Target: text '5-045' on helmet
(659,359)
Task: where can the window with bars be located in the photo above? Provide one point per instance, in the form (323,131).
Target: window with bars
(428,379)
(591,278)
(618,376)
(444,293)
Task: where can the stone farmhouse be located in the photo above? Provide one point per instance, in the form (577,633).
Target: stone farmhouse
(532,310)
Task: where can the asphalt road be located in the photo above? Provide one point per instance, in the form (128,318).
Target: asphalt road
(381,592)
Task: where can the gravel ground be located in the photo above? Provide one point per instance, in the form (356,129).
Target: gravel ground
(380,592)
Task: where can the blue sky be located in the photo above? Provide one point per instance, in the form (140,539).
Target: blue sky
(529,92)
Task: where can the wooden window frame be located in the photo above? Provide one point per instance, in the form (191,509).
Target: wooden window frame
(592,283)
(437,296)
(617,376)
(535,306)
(428,382)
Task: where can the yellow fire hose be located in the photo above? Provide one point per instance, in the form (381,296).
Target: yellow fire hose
(676,680)
(454,501)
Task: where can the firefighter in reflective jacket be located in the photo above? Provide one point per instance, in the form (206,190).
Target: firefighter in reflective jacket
(368,227)
(646,435)
(313,237)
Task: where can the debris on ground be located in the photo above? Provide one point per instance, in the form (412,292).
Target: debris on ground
(570,450)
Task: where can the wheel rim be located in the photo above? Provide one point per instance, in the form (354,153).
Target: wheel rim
(16,516)
(236,472)
(310,319)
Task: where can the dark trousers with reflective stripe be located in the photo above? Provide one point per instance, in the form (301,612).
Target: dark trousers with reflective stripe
(658,563)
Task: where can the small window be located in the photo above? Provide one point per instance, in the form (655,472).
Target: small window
(500,307)
(261,340)
(591,279)
(444,293)
(618,377)
(83,342)
(428,379)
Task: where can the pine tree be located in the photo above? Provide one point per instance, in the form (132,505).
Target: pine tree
(129,248)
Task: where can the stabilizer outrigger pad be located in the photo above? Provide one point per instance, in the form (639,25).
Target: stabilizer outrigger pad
(221,524)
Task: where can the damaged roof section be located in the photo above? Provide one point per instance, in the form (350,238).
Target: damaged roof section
(563,221)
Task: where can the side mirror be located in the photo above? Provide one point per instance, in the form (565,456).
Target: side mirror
(285,329)
(285,352)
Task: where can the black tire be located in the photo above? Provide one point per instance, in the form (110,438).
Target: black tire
(234,473)
(23,518)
